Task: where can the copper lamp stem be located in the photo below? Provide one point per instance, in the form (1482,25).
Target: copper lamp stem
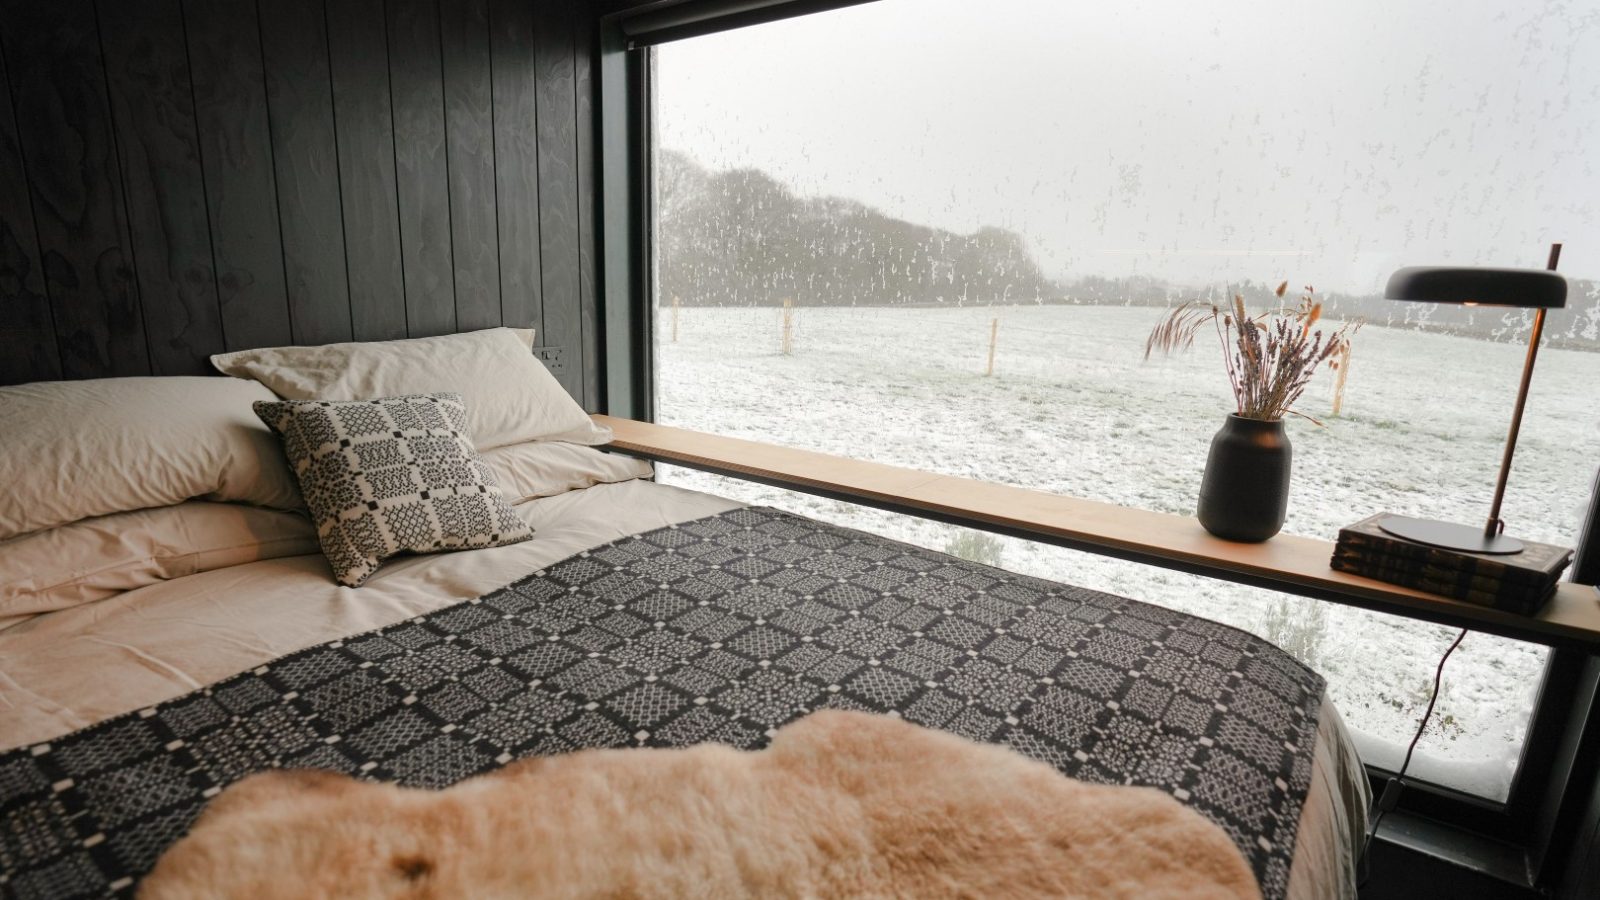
(1495,525)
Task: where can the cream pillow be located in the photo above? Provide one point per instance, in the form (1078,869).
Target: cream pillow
(545,468)
(510,396)
(74,449)
(106,555)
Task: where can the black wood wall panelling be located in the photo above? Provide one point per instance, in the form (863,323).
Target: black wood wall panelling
(583,45)
(516,163)
(364,132)
(558,175)
(58,91)
(416,79)
(241,187)
(305,163)
(469,152)
(152,110)
(182,177)
(27,332)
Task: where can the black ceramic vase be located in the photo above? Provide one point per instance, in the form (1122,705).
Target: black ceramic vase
(1245,492)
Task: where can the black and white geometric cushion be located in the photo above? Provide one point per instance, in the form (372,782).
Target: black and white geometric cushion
(391,476)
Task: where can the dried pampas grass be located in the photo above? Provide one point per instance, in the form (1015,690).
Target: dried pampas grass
(1270,357)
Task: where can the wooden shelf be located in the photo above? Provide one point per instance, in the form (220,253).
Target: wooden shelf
(1287,563)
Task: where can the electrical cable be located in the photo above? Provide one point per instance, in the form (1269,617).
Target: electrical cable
(1396,783)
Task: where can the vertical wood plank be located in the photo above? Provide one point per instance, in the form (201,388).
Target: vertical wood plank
(583,47)
(234,173)
(236,156)
(64,129)
(464,39)
(152,104)
(305,159)
(558,182)
(516,162)
(421,173)
(27,335)
(359,60)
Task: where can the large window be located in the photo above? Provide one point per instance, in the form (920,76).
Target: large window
(859,216)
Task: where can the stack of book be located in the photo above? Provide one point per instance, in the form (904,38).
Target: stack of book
(1517,582)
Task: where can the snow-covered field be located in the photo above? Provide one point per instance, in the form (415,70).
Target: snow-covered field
(1073,409)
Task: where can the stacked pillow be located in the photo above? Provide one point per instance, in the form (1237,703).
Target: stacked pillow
(95,559)
(114,483)
(510,396)
(383,437)
(74,449)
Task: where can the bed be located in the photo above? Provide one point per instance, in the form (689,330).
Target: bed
(639,614)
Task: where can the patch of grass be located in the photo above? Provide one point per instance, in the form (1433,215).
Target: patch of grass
(976,546)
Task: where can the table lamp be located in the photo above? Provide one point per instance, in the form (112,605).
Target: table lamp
(1535,289)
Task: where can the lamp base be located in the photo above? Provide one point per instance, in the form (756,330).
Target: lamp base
(1449,535)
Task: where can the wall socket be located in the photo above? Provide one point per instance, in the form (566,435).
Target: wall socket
(554,359)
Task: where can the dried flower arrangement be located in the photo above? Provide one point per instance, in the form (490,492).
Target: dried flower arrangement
(1270,357)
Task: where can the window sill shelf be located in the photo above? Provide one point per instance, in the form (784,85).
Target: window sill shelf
(1287,563)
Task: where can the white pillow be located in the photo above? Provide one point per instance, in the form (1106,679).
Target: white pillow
(74,449)
(545,468)
(509,394)
(106,555)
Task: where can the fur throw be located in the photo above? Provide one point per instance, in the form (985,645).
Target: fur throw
(840,804)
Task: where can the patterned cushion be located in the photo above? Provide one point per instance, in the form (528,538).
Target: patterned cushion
(391,476)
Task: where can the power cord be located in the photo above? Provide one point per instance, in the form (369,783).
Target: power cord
(1396,783)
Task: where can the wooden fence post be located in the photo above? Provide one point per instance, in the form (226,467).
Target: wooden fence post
(994,331)
(788,327)
(1338,385)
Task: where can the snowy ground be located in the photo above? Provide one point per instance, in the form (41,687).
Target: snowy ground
(1073,409)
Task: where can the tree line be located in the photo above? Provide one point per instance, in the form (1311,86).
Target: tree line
(741,238)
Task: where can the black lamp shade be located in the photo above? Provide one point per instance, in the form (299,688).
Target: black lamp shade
(1522,288)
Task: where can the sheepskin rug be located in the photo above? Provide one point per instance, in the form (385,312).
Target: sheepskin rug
(841,804)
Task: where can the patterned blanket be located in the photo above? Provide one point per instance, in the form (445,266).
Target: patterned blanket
(721,629)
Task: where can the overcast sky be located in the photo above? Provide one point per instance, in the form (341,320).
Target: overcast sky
(1324,142)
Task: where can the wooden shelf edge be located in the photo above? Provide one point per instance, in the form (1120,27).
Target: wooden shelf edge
(1288,563)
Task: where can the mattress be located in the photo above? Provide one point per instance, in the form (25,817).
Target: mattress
(67,670)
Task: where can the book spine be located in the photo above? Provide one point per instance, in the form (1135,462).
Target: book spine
(1412,579)
(1448,559)
(1522,600)
(1465,579)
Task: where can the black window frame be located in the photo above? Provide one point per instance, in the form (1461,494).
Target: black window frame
(1538,820)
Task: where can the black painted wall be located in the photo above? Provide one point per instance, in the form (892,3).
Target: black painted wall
(182,177)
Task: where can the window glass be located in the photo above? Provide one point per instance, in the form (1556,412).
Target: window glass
(936,234)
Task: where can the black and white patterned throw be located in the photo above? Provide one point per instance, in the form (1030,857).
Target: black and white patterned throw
(721,629)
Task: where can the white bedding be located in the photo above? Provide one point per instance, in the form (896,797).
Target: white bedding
(65,670)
